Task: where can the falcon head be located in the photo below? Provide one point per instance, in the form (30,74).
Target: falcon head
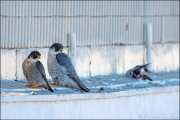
(56,47)
(34,55)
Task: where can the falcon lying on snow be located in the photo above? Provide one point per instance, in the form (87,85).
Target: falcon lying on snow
(62,70)
(136,72)
(34,71)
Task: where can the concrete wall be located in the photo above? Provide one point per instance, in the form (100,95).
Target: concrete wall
(97,60)
(151,106)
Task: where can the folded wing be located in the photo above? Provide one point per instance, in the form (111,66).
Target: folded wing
(64,60)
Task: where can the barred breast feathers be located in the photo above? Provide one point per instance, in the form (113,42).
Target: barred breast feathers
(52,64)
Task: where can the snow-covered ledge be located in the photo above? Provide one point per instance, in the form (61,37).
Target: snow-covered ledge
(119,98)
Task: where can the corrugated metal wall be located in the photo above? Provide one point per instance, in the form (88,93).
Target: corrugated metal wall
(41,23)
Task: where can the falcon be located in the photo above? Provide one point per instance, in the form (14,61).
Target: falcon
(135,72)
(62,70)
(34,72)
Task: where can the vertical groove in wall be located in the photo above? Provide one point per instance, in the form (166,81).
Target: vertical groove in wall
(41,23)
(16,64)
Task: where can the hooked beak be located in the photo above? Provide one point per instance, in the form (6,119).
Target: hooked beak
(39,56)
(61,49)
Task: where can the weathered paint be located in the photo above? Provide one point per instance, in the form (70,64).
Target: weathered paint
(165,57)
(98,60)
(8,64)
(83,61)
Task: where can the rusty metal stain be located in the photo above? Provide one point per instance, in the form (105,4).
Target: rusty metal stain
(126,26)
(110,44)
(104,16)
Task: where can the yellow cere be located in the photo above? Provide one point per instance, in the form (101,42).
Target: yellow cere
(38,55)
(60,49)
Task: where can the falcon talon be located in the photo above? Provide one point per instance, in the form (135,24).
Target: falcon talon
(28,85)
(52,83)
(35,86)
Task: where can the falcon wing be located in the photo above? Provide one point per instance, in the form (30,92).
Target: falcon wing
(64,60)
(41,69)
(141,66)
(24,70)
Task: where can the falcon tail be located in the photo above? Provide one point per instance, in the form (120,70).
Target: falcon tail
(82,86)
(85,89)
(48,87)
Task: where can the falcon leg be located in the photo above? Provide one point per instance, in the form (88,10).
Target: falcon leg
(35,86)
(54,84)
(28,85)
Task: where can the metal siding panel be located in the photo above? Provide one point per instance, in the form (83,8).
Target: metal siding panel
(2,25)
(6,42)
(51,24)
(171,29)
(174,7)
(85,38)
(83,24)
(161,7)
(156,28)
(41,23)
(105,21)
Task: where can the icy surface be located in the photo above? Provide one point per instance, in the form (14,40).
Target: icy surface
(100,84)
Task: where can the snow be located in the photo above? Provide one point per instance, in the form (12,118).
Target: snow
(88,81)
(109,83)
(105,83)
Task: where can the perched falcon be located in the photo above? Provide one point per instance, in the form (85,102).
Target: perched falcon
(136,72)
(62,70)
(34,72)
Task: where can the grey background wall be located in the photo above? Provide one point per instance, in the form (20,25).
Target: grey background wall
(40,23)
